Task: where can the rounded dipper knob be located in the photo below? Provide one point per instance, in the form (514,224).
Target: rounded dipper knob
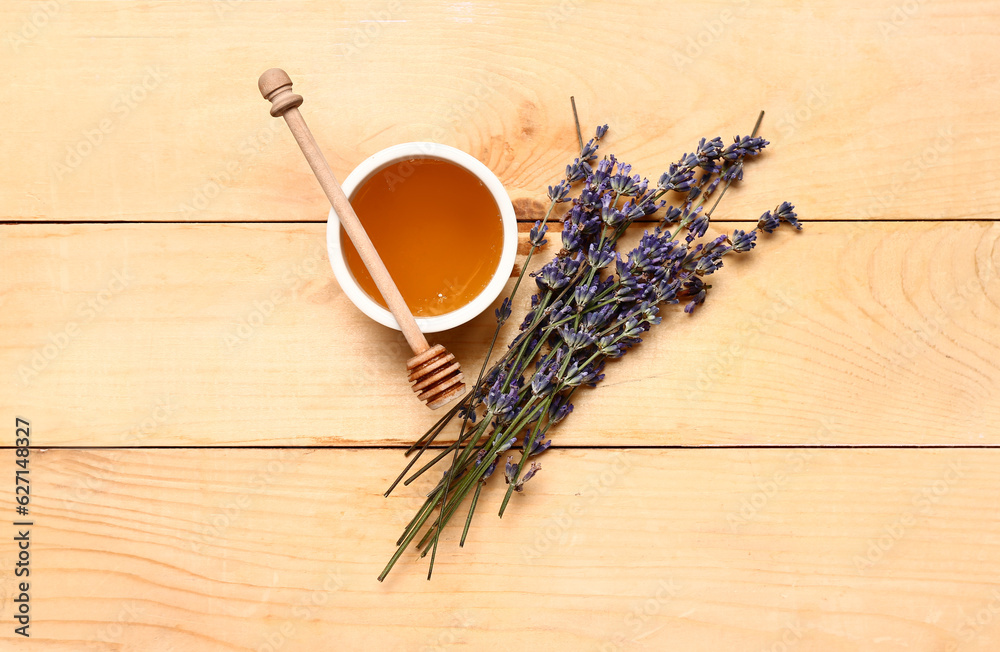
(276,87)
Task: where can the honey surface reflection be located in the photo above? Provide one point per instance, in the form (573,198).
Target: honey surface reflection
(436,227)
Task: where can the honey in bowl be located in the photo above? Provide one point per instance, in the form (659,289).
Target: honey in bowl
(436,227)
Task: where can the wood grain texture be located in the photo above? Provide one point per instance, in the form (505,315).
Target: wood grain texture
(877,326)
(238,334)
(629,550)
(881,109)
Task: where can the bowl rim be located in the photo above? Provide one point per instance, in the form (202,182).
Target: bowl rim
(425,149)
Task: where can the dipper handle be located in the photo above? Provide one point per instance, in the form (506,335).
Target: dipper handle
(434,373)
(276,86)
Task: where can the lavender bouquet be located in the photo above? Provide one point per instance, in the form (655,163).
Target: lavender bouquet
(591,305)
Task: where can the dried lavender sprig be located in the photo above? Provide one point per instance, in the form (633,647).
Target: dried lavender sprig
(729,181)
(532,356)
(693,264)
(678,171)
(760,118)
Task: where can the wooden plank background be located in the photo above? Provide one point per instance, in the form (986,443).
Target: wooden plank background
(239,335)
(808,463)
(610,550)
(872,99)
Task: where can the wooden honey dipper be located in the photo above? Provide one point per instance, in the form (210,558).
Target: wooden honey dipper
(435,373)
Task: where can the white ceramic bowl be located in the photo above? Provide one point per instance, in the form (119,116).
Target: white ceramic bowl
(394,154)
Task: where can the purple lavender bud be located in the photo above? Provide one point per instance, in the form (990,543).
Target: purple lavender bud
(708,264)
(592,320)
(491,377)
(575,339)
(506,446)
(489,470)
(608,346)
(559,409)
(742,147)
(599,134)
(558,192)
(732,172)
(624,183)
(633,211)
(498,401)
(572,239)
(698,226)
(600,258)
(786,212)
(537,234)
(541,382)
(540,446)
(503,312)
(468,412)
(743,241)
(626,186)
(528,318)
(574,376)
(694,289)
(582,294)
(603,170)
(652,247)
(672,215)
(708,152)
(639,259)
(577,170)
(494,395)
(609,214)
(633,328)
(591,224)
(768,222)
(754,144)
(678,178)
(563,313)
(628,287)
(551,277)
(621,267)
(510,470)
(555,308)
(666,290)
(571,265)
(529,474)
(594,374)
(717,244)
(588,200)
